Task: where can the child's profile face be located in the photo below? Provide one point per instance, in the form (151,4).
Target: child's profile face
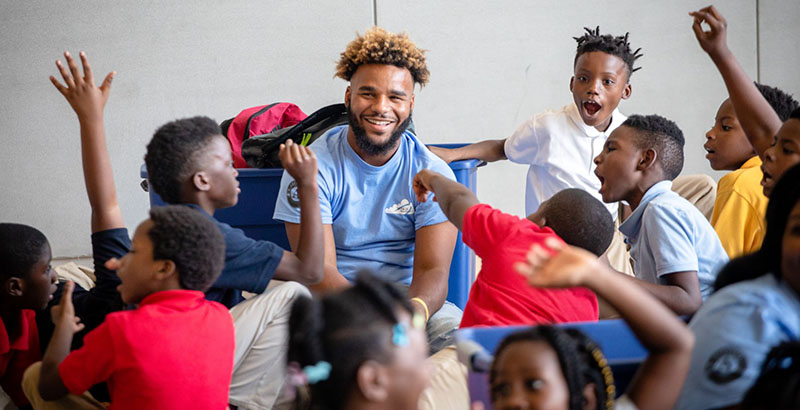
(409,369)
(40,283)
(790,250)
(600,81)
(726,144)
(527,374)
(136,268)
(782,155)
(617,165)
(217,164)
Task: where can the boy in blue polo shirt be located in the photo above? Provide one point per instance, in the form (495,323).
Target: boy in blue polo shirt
(675,250)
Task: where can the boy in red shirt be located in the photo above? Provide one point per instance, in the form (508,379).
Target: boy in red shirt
(175,351)
(28,284)
(500,295)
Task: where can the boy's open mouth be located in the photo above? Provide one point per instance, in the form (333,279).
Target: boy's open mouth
(766,180)
(709,151)
(591,107)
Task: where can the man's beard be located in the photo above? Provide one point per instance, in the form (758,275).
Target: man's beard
(368,147)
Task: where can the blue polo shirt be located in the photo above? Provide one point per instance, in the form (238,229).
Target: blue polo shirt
(734,330)
(249,264)
(373,210)
(668,234)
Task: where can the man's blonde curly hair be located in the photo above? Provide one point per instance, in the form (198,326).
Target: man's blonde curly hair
(378,46)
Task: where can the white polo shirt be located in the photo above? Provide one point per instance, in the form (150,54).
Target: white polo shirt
(560,149)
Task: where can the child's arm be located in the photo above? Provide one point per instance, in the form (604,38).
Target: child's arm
(489,151)
(659,380)
(680,292)
(759,121)
(306,264)
(67,324)
(454,199)
(88,101)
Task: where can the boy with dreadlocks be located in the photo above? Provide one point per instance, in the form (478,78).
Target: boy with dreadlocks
(559,144)
(370,215)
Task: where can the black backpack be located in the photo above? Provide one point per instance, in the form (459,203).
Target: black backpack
(261,151)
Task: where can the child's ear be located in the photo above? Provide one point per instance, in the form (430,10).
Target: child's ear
(589,397)
(200,181)
(647,159)
(373,381)
(165,268)
(626,92)
(14,286)
(571,83)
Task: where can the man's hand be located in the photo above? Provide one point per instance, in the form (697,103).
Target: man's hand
(422,184)
(557,266)
(83,95)
(713,42)
(63,314)
(446,154)
(300,162)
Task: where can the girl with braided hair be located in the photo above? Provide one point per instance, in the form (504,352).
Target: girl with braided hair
(363,347)
(549,367)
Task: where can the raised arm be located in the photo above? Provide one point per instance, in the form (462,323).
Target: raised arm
(759,121)
(306,264)
(88,101)
(666,337)
(454,198)
(67,324)
(489,151)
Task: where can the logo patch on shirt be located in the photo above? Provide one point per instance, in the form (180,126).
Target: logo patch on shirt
(725,365)
(403,208)
(292,196)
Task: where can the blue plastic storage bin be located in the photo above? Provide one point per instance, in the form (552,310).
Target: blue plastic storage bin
(253,215)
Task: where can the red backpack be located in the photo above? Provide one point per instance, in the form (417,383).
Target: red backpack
(259,120)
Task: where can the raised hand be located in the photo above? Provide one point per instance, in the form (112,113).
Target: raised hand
(714,41)
(63,314)
(86,98)
(557,265)
(300,162)
(422,184)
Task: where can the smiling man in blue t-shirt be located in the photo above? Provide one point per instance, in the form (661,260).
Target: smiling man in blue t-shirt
(371,218)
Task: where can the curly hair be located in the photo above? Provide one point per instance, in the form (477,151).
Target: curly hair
(21,246)
(579,219)
(613,45)
(581,361)
(779,100)
(191,240)
(662,135)
(378,46)
(345,329)
(173,153)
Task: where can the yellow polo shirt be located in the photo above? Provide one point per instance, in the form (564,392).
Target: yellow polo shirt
(740,208)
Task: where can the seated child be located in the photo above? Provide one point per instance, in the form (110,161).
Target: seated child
(551,367)
(675,250)
(499,295)
(559,145)
(363,347)
(175,351)
(758,308)
(28,285)
(752,112)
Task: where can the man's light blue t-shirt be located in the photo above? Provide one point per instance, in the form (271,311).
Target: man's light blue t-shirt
(734,330)
(668,234)
(373,210)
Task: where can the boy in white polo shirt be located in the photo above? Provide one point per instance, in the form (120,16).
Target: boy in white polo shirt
(559,145)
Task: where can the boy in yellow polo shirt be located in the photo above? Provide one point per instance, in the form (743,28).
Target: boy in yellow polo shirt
(751,115)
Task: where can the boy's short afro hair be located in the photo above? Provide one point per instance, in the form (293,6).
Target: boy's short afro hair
(580,220)
(779,100)
(378,46)
(616,46)
(21,246)
(192,241)
(664,137)
(173,152)
(795,115)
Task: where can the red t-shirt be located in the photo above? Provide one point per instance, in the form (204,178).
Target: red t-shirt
(16,355)
(175,351)
(500,296)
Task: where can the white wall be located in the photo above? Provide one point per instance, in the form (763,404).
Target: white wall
(493,64)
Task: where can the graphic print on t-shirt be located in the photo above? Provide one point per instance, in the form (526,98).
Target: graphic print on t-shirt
(403,208)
